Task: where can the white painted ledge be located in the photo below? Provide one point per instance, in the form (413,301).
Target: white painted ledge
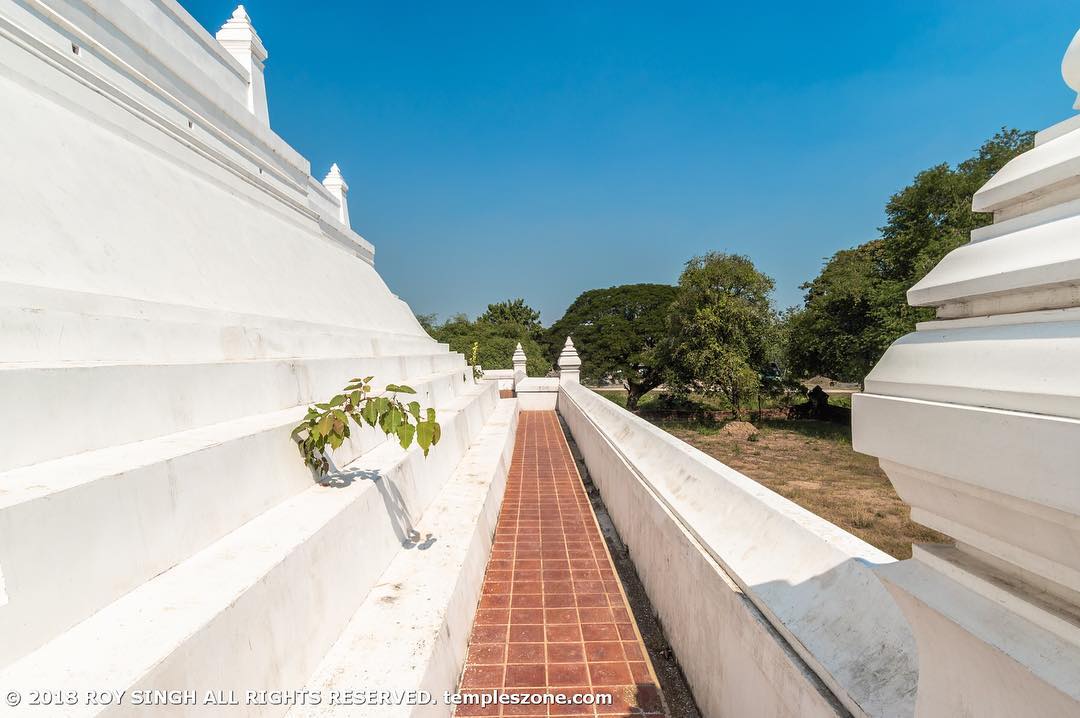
(813,581)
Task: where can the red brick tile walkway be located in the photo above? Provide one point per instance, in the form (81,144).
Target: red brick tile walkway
(553,618)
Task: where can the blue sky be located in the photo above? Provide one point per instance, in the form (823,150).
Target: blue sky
(497,150)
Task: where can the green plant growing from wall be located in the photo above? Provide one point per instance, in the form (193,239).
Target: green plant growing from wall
(474,362)
(327,425)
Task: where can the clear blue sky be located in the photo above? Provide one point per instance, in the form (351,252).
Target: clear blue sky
(496,150)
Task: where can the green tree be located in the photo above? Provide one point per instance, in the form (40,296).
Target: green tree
(857,306)
(513,311)
(428,321)
(617,332)
(722,329)
(835,333)
(497,342)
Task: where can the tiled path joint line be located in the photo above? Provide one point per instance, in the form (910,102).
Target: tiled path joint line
(553,617)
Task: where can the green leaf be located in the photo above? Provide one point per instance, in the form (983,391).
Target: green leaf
(370,412)
(425,435)
(391,420)
(337,400)
(355,397)
(414,409)
(402,389)
(405,434)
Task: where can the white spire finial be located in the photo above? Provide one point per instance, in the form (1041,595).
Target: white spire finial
(569,363)
(337,186)
(1070,68)
(520,362)
(239,38)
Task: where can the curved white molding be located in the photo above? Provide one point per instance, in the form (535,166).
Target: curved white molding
(1029,367)
(1033,257)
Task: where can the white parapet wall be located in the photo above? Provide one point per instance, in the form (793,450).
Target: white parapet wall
(769,609)
(975,417)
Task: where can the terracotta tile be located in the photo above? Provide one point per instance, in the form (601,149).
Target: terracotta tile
(601,651)
(599,632)
(526,634)
(527,600)
(558,587)
(567,674)
(595,615)
(589,587)
(560,615)
(482,677)
(526,615)
(565,652)
(486,653)
(489,634)
(592,599)
(615,673)
(492,616)
(525,653)
(569,633)
(639,671)
(550,578)
(495,600)
(526,675)
(496,587)
(528,575)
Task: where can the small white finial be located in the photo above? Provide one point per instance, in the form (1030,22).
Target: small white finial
(333,177)
(569,364)
(240,40)
(1070,68)
(337,186)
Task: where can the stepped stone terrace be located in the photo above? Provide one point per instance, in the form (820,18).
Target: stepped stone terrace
(163,548)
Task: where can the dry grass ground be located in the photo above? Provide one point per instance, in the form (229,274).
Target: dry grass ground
(812,463)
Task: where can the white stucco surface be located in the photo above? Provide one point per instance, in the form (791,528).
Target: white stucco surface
(717,550)
(975,418)
(175,288)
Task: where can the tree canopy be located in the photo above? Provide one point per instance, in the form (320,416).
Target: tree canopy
(857,306)
(497,342)
(722,329)
(513,311)
(617,332)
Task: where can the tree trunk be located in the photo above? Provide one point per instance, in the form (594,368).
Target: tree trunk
(634,392)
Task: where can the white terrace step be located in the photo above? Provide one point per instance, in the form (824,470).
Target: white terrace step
(54,411)
(51,324)
(411,633)
(259,608)
(151,504)
(33,335)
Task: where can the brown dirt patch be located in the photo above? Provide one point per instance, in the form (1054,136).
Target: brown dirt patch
(742,430)
(812,463)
